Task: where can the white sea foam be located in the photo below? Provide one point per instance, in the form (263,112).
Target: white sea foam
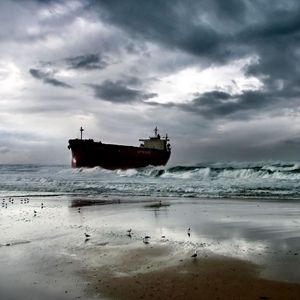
(275,180)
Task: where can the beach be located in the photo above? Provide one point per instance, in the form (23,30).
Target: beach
(246,249)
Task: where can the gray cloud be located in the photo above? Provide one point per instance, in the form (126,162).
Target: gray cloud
(167,22)
(47,78)
(219,104)
(119,92)
(4,149)
(217,32)
(87,62)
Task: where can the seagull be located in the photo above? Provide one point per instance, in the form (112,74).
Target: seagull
(87,235)
(194,255)
(189,232)
(129,232)
(163,236)
(147,237)
(145,241)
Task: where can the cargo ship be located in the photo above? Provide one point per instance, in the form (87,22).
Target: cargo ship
(154,151)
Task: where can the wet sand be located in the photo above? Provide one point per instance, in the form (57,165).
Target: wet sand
(204,278)
(246,249)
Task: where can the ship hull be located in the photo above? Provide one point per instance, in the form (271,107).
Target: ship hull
(87,153)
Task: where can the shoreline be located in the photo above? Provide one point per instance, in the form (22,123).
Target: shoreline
(246,249)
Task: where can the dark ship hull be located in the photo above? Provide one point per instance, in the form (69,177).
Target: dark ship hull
(87,153)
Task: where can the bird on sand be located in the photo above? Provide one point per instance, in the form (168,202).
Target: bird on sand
(189,232)
(145,241)
(194,255)
(129,230)
(87,235)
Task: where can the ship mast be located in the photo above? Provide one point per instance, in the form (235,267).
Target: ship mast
(81,130)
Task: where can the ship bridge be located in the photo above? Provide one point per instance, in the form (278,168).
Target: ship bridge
(156,142)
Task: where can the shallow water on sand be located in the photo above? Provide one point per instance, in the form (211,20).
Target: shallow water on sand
(47,246)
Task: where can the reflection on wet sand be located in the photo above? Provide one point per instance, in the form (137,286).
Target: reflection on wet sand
(237,234)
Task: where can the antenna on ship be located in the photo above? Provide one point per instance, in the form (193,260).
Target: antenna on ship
(81,130)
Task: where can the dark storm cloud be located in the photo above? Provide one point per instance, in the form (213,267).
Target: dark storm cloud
(217,104)
(86,62)
(220,104)
(47,78)
(119,92)
(168,22)
(217,32)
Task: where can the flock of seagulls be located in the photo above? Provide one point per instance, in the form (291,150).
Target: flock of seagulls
(146,239)
(11,200)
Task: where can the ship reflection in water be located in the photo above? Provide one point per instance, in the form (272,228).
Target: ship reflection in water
(153,151)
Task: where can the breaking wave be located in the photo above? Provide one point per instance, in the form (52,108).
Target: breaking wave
(222,171)
(226,180)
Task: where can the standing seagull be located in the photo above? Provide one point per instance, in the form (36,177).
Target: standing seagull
(146,239)
(194,255)
(129,233)
(189,232)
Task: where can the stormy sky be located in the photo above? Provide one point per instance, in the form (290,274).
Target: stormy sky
(222,78)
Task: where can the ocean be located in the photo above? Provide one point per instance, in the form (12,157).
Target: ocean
(261,180)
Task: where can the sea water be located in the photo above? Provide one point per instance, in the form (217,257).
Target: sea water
(263,180)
